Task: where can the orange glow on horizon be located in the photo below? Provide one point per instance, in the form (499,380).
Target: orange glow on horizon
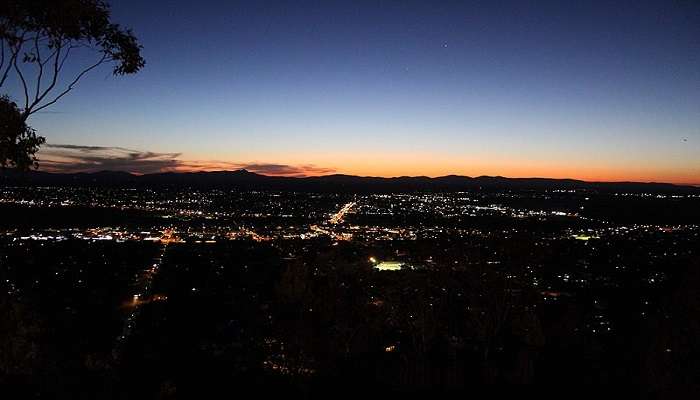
(532,170)
(381,164)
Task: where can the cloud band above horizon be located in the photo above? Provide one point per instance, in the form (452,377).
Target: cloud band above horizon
(69,158)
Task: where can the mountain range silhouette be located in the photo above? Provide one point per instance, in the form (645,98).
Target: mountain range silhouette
(243,179)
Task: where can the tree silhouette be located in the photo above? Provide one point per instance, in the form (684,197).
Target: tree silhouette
(37,38)
(18,142)
(23,349)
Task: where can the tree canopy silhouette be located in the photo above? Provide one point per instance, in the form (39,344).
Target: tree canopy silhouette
(38,37)
(18,142)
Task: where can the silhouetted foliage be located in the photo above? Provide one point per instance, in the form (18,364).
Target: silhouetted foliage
(19,339)
(18,142)
(36,39)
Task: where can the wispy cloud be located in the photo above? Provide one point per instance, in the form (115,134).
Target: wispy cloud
(77,158)
(74,158)
(257,167)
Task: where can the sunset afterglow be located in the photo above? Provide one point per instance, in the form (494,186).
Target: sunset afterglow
(389,89)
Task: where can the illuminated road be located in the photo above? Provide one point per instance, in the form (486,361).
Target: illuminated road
(338,217)
(142,294)
(335,219)
(255,236)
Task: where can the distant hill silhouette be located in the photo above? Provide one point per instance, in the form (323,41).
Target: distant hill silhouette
(243,179)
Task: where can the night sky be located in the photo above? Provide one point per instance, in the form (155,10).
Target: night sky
(596,90)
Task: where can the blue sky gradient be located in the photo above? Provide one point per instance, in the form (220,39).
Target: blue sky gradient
(521,88)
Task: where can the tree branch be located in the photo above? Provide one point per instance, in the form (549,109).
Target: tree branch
(53,53)
(15,47)
(60,67)
(24,84)
(71,85)
(41,67)
(14,51)
(2,52)
(56,69)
